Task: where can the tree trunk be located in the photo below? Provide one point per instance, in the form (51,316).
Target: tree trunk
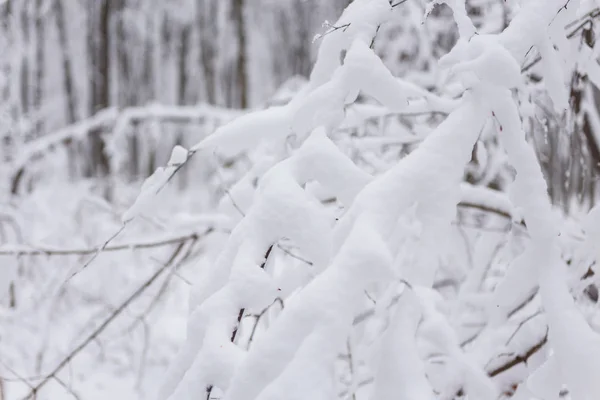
(206,19)
(40,61)
(241,69)
(184,48)
(99,69)
(67,67)
(25,86)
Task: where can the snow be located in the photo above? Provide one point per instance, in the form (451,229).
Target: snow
(179,155)
(150,188)
(336,250)
(410,182)
(246,131)
(77,132)
(400,372)
(311,322)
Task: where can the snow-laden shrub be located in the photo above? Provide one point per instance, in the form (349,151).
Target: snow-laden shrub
(360,313)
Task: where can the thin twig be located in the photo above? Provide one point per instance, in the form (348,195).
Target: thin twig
(297,257)
(163,287)
(398,3)
(92,336)
(97,253)
(521,324)
(587,21)
(259,316)
(520,358)
(332,28)
(240,315)
(40,251)
(352,389)
(19,377)
(67,388)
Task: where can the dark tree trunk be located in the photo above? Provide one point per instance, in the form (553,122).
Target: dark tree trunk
(241,69)
(126,96)
(100,80)
(302,61)
(40,61)
(184,48)
(25,86)
(67,66)
(7,141)
(99,69)
(206,19)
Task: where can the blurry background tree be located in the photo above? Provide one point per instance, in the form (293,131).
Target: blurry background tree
(96,93)
(65,61)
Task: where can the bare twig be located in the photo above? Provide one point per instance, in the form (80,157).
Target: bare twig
(579,24)
(67,388)
(242,310)
(92,336)
(564,7)
(259,316)
(519,358)
(521,324)
(398,3)
(240,315)
(332,28)
(510,314)
(40,251)
(297,257)
(97,253)
(19,377)
(163,288)
(352,389)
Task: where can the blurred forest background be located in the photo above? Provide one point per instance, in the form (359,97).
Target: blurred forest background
(95,94)
(67,61)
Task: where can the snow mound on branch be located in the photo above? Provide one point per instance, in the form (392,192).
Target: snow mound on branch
(303,339)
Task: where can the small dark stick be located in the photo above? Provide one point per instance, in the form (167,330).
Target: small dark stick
(239,319)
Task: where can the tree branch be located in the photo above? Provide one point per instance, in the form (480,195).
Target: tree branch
(520,358)
(92,336)
(240,315)
(41,251)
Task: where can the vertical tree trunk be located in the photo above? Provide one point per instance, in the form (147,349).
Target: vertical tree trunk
(14,10)
(206,19)
(74,148)
(157,37)
(25,86)
(184,47)
(40,61)
(302,43)
(148,72)
(129,93)
(67,67)
(5,19)
(183,92)
(7,142)
(241,68)
(125,96)
(100,65)
(99,68)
